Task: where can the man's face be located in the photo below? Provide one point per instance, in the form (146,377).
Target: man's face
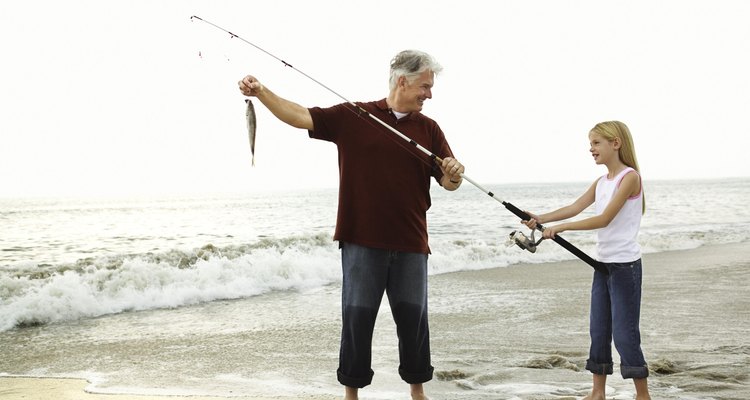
(416,92)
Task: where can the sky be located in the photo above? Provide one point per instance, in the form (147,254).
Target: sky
(131,97)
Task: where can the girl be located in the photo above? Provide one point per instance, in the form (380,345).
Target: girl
(616,297)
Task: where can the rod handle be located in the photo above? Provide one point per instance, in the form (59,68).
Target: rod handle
(559,240)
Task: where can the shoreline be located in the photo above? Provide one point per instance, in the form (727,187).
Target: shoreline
(51,388)
(675,284)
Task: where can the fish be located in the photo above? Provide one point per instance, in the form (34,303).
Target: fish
(251,125)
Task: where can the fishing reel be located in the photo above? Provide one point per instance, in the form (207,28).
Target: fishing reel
(524,242)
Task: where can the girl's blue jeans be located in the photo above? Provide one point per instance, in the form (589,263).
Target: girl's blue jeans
(367,274)
(615,314)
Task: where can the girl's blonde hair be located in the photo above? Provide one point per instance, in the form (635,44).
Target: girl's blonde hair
(611,130)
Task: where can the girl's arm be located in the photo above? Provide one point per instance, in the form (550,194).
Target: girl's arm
(569,211)
(629,186)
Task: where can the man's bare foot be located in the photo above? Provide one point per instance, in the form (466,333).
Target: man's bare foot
(595,396)
(351,393)
(417,392)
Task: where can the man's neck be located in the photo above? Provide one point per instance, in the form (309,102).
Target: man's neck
(393,105)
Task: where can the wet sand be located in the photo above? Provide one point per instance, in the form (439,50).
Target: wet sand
(16,388)
(500,333)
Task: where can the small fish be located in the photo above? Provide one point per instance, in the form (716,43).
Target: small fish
(250,115)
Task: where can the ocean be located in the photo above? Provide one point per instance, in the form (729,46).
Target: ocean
(229,294)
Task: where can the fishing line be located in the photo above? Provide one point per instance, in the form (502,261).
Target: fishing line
(359,110)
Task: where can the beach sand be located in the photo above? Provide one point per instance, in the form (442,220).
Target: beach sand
(527,326)
(16,388)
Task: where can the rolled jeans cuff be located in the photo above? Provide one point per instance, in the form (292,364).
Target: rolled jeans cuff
(415,378)
(634,372)
(354,382)
(599,369)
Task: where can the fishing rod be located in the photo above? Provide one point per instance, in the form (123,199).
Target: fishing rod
(525,244)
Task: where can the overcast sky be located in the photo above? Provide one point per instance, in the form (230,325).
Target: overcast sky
(124,97)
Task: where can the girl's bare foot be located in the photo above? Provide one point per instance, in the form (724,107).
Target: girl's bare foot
(641,389)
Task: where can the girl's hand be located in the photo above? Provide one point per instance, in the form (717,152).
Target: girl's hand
(532,222)
(551,231)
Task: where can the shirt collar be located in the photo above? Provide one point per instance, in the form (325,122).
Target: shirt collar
(383,105)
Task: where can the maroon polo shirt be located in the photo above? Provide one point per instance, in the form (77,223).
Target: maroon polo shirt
(384,188)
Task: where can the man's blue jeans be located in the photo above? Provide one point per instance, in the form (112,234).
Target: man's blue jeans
(368,273)
(615,314)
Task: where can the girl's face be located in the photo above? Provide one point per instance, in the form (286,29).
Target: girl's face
(603,150)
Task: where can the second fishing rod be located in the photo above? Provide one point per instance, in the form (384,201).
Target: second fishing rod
(365,114)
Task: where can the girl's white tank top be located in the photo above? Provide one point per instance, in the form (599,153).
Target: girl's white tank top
(618,241)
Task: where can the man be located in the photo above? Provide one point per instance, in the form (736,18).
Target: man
(383,200)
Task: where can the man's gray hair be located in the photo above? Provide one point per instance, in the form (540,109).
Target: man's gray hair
(410,64)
